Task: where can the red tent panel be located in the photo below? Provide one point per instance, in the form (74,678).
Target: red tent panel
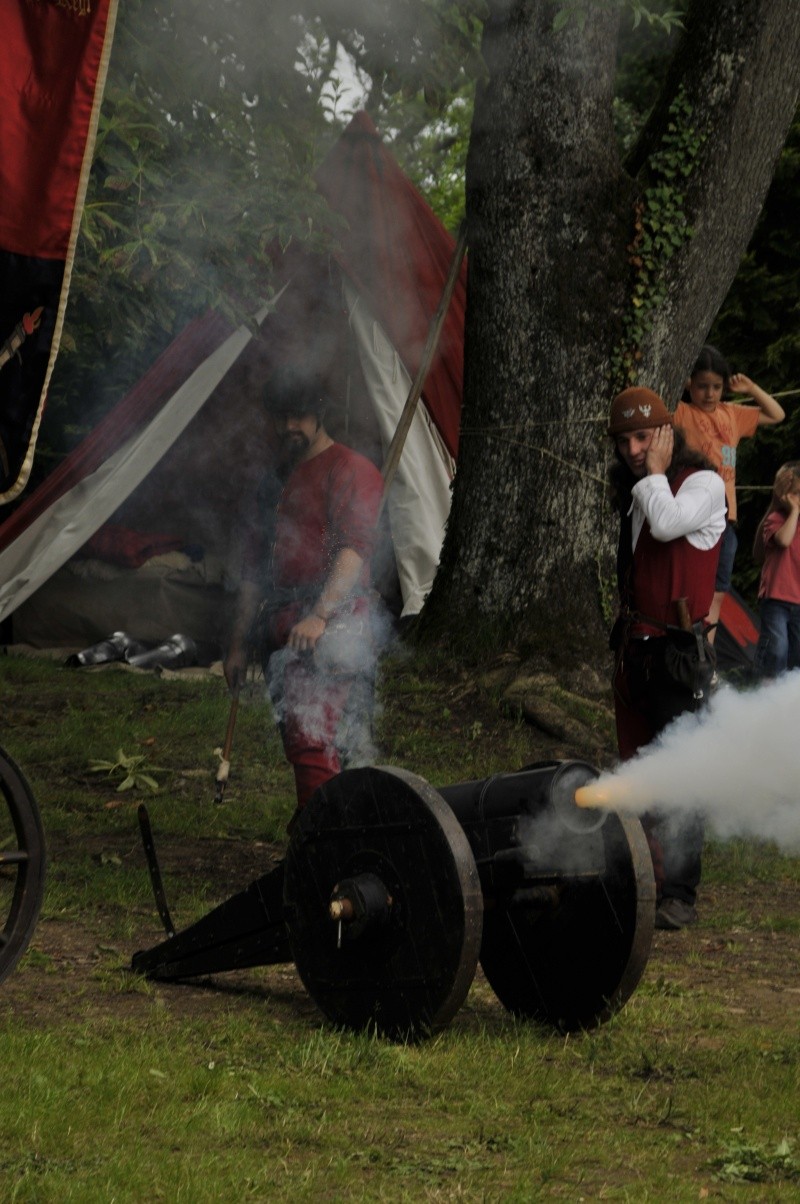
(737,621)
(398,254)
(192,346)
(395,251)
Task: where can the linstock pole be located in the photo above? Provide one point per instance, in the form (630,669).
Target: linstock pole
(434,333)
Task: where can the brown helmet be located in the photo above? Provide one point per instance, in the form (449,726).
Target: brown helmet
(637,409)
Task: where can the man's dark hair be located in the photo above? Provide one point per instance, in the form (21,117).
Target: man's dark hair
(292,391)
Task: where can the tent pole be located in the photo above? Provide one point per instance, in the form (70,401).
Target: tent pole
(395,450)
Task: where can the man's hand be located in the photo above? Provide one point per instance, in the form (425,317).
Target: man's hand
(304,635)
(659,453)
(235,666)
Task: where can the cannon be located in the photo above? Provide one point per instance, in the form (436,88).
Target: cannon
(391,892)
(22,864)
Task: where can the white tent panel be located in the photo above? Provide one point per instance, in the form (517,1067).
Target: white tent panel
(50,541)
(419,499)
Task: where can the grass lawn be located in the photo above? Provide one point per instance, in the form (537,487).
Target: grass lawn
(120,1089)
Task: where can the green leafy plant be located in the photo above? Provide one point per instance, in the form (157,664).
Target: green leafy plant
(744,1162)
(578,10)
(129,769)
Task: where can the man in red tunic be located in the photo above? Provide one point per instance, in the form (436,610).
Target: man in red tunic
(317,620)
(671,504)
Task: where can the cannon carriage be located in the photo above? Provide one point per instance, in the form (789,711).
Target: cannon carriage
(392,892)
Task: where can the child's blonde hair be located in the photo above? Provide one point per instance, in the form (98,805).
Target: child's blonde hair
(786,478)
(787,475)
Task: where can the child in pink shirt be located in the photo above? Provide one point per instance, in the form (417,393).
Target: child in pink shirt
(778,540)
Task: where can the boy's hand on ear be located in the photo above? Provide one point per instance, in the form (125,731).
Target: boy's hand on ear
(659,453)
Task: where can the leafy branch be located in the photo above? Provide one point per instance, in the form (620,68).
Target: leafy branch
(578,11)
(660,230)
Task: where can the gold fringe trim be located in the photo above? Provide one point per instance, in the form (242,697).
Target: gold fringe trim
(81,8)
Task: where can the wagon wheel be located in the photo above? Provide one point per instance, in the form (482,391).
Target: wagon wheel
(22,864)
(571,956)
(382,847)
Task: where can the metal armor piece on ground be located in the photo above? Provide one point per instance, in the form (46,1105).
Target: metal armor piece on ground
(22,864)
(391,891)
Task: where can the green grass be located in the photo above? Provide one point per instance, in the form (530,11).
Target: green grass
(236,1106)
(118,1089)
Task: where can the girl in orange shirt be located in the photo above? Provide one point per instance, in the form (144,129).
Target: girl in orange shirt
(715,427)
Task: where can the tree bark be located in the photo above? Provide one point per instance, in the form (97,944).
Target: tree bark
(586,275)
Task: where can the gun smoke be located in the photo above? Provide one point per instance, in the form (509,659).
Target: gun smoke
(737,763)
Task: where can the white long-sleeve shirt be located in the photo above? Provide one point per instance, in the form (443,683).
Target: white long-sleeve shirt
(696,511)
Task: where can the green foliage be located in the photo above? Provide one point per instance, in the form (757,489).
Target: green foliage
(213,122)
(643,55)
(129,769)
(758,329)
(203,164)
(660,230)
(434,157)
(578,10)
(744,1162)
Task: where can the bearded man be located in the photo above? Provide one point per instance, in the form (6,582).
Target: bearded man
(316,609)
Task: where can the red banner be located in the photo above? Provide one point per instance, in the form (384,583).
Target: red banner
(53,62)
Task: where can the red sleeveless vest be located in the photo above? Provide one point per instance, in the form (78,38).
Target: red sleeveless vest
(664,572)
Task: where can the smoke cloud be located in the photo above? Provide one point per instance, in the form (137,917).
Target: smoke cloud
(345,664)
(738,763)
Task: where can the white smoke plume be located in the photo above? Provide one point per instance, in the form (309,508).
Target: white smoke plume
(346,656)
(738,763)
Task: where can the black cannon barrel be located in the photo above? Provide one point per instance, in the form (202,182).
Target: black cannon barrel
(547,785)
(526,827)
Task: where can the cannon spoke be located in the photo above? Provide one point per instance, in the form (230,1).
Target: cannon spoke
(22,864)
(17,858)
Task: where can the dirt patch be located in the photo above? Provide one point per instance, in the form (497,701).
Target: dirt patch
(744,953)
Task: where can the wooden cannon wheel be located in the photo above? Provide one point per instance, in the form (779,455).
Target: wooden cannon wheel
(572,960)
(383,847)
(22,864)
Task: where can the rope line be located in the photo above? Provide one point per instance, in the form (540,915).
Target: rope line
(544,451)
(527,424)
(584,472)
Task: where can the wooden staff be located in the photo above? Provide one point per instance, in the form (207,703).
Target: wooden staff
(395,449)
(225,759)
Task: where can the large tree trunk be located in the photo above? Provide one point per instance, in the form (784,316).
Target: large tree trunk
(586,275)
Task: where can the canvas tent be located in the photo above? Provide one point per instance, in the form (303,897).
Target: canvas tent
(181,453)
(737,636)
